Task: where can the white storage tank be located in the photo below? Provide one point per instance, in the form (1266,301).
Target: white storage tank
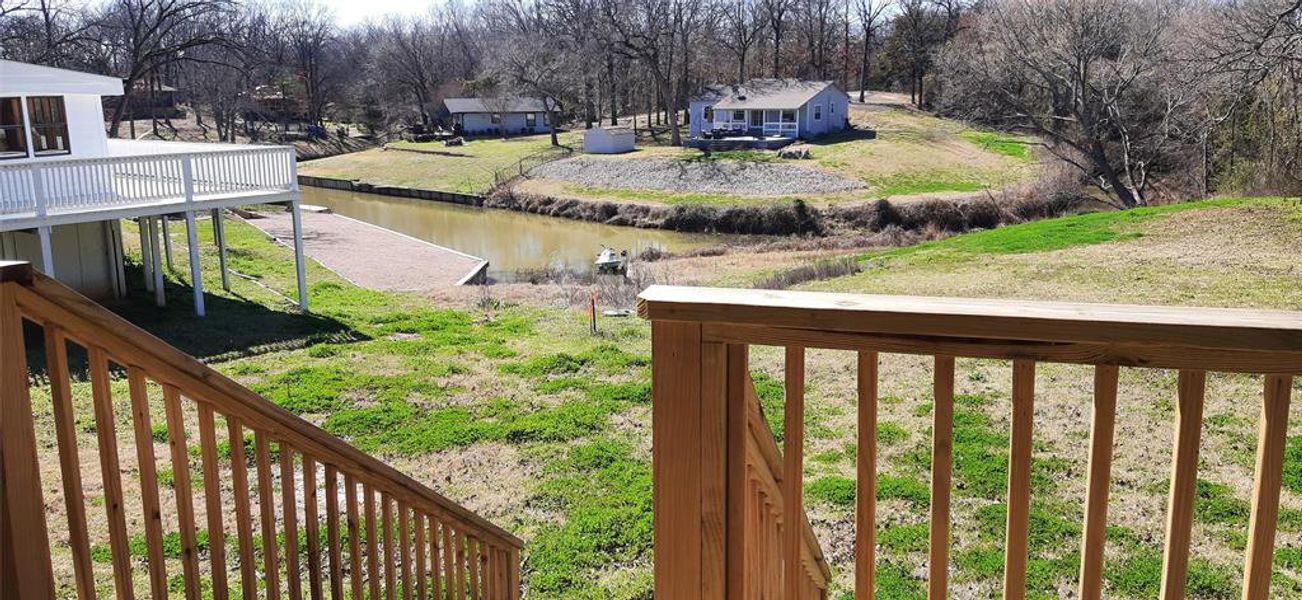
(608,140)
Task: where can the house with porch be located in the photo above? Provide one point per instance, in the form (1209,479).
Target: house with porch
(65,188)
(768,112)
(509,116)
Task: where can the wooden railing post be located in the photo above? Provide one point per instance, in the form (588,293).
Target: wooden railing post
(690,529)
(25,570)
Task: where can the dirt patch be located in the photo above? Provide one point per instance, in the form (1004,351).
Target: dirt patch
(740,177)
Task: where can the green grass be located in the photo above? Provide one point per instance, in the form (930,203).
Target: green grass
(998,143)
(464,169)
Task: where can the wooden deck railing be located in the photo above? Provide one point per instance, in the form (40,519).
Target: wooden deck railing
(706,531)
(287,509)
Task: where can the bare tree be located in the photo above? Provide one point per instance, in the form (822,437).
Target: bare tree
(776,13)
(1098,79)
(870,13)
(146,35)
(743,23)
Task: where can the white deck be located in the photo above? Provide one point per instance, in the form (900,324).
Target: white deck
(144,179)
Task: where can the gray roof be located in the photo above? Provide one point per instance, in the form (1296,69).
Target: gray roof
(492,105)
(786,94)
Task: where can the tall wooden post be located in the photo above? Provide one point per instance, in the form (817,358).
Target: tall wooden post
(689,450)
(25,570)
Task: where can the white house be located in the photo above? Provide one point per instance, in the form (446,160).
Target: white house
(609,140)
(497,115)
(65,187)
(787,108)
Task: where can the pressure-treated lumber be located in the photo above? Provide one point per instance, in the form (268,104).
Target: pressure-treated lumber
(1271,439)
(1094,537)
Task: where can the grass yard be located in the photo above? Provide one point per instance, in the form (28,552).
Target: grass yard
(520,414)
(464,169)
(914,154)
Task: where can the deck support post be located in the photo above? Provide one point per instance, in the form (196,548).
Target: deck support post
(160,295)
(146,268)
(219,236)
(299,263)
(47,250)
(196,273)
(167,243)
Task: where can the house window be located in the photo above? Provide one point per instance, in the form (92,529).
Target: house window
(788,116)
(709,113)
(756,118)
(496,118)
(531,120)
(49,123)
(13,140)
(818,112)
(739,115)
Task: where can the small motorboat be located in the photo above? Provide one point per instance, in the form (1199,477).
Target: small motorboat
(610,263)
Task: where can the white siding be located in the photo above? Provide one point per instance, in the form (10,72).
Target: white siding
(83,257)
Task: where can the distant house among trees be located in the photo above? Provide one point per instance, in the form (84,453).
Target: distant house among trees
(504,116)
(790,108)
(148,98)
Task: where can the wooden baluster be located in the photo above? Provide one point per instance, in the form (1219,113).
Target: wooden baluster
(459,547)
(372,546)
(386,510)
(184,493)
(865,545)
(1019,480)
(243,507)
(1184,479)
(418,522)
(312,528)
(106,428)
(213,497)
(439,557)
(25,568)
(332,533)
(65,428)
(942,450)
(472,565)
(793,453)
(267,512)
(148,481)
(404,550)
(354,537)
(289,510)
(1094,535)
(1272,434)
(513,580)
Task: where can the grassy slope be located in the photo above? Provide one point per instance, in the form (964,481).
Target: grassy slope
(1226,253)
(914,153)
(545,429)
(466,169)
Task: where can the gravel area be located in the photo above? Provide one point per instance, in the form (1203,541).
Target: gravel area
(746,178)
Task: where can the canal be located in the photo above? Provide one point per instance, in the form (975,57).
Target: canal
(509,240)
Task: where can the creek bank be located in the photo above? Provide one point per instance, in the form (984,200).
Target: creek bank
(794,217)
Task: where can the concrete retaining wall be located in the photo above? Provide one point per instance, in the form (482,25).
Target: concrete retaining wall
(390,190)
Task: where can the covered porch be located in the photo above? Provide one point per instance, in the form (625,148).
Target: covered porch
(753,122)
(149,181)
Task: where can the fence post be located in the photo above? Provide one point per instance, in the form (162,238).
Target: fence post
(25,570)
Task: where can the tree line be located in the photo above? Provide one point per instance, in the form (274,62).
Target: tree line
(1148,99)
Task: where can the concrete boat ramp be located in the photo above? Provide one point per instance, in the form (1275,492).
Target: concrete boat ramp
(374,257)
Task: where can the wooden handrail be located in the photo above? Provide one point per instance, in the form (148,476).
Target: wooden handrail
(691,327)
(490,555)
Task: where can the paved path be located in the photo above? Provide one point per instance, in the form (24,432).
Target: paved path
(374,257)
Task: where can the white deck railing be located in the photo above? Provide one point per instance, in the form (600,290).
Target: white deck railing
(187,173)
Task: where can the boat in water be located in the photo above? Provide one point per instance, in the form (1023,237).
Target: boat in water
(610,263)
